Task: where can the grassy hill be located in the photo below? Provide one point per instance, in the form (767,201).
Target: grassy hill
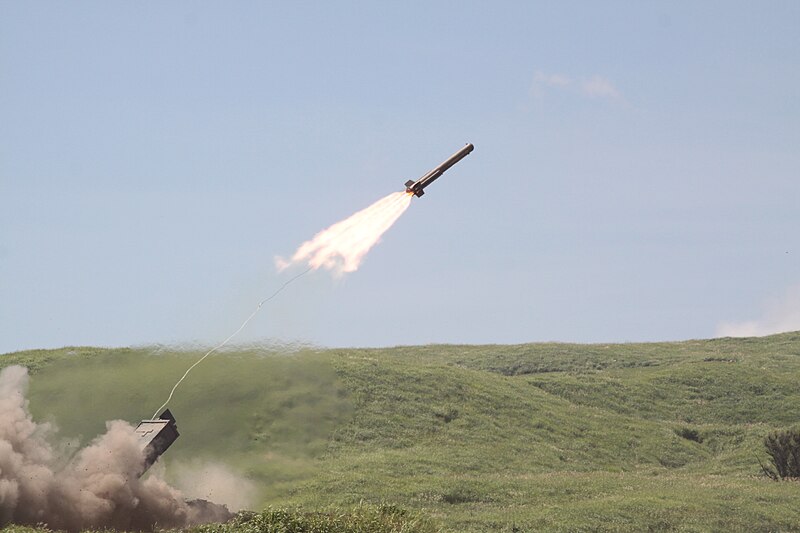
(555,437)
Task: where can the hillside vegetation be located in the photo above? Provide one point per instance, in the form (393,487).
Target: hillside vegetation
(554,437)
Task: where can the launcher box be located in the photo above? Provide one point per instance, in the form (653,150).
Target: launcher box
(155,436)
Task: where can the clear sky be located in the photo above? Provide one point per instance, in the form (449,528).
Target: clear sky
(636,173)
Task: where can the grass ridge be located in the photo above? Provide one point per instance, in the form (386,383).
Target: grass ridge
(546,436)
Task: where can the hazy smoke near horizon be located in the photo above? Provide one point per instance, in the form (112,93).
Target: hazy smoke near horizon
(97,488)
(342,246)
(780,314)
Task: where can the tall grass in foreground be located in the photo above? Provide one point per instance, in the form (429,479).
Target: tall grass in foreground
(362,519)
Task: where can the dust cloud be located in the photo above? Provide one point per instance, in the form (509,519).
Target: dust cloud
(99,487)
(215,482)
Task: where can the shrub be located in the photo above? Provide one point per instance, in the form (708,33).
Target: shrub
(783,448)
(690,434)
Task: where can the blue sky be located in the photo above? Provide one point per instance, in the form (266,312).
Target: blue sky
(635,174)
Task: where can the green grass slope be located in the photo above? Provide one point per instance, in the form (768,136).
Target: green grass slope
(553,437)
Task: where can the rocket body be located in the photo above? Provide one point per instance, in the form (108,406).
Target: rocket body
(418,187)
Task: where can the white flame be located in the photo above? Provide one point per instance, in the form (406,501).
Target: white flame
(342,247)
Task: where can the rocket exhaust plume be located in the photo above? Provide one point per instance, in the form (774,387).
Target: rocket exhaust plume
(341,248)
(98,488)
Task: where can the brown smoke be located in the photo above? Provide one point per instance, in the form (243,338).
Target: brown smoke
(98,487)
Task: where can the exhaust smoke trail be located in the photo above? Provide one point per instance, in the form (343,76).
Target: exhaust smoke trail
(223,343)
(98,488)
(341,247)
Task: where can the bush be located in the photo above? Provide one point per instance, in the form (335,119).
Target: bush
(365,518)
(690,434)
(783,448)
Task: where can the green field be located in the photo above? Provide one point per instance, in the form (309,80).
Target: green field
(551,437)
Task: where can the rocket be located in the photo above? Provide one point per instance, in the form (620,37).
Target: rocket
(418,187)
